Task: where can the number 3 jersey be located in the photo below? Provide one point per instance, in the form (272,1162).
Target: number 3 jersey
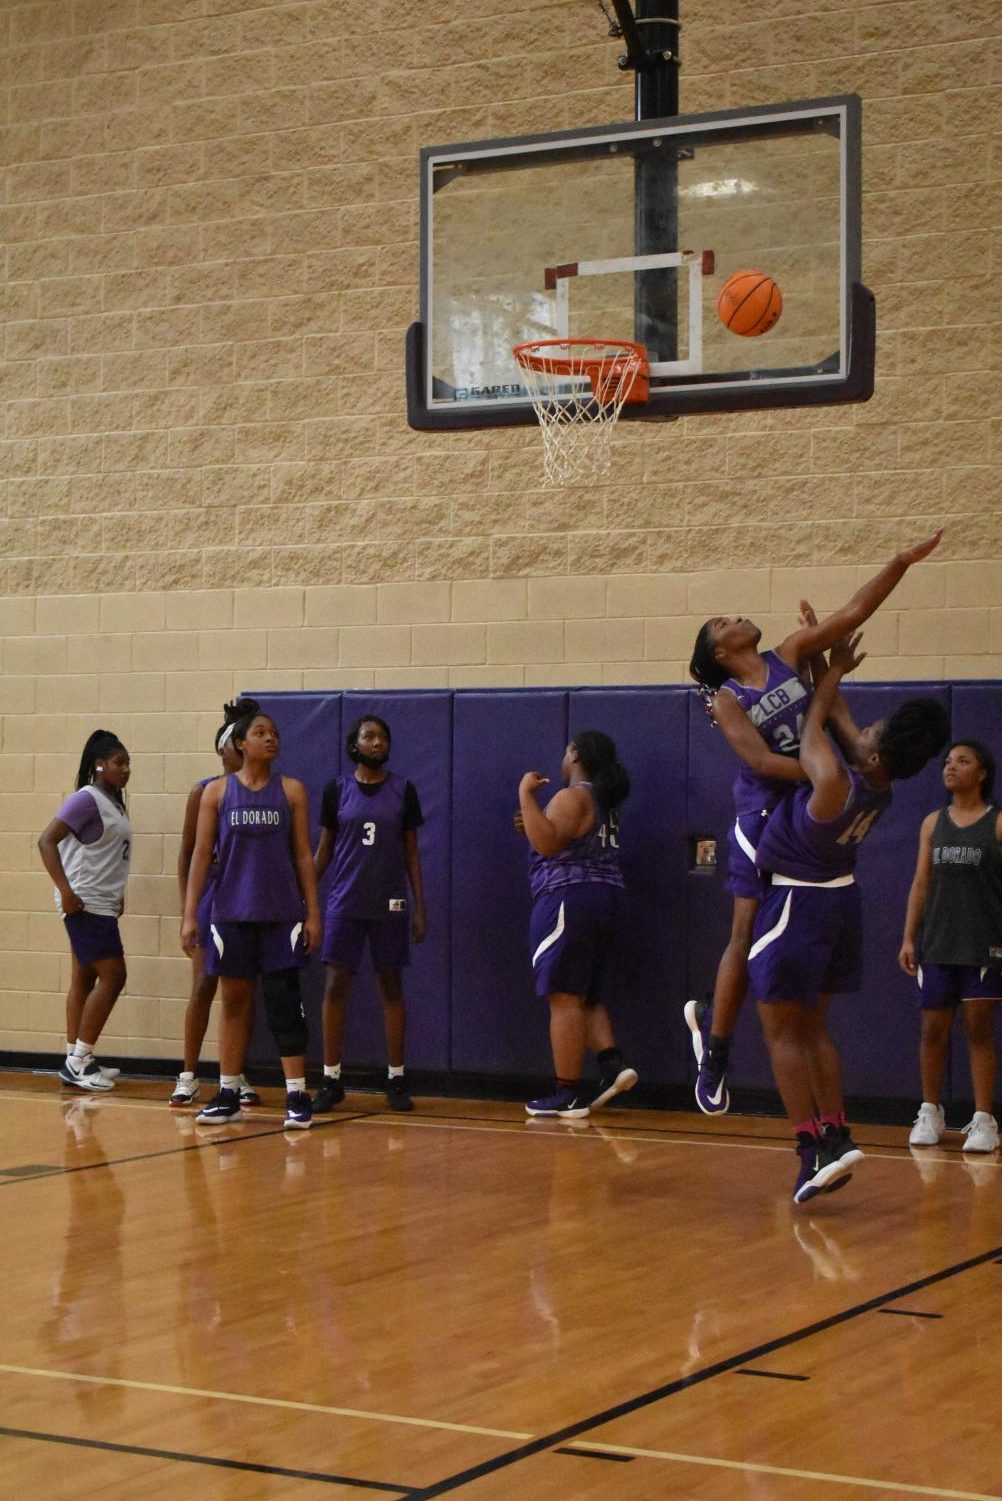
(796,845)
(777,712)
(368,820)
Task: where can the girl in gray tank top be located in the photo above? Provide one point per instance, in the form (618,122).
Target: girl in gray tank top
(952,940)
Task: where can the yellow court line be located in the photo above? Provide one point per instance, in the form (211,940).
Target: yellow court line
(899,1487)
(194,1391)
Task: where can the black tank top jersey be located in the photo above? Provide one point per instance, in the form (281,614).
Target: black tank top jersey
(962,921)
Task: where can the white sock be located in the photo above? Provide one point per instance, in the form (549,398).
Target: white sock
(229,1081)
(332,1070)
(81,1051)
(185,1078)
(295,1086)
(396,1073)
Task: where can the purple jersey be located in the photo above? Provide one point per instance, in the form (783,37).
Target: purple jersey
(594,858)
(777,712)
(796,845)
(368,820)
(256,875)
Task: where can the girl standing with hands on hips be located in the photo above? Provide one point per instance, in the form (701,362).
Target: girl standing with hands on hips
(952,942)
(86,851)
(265,914)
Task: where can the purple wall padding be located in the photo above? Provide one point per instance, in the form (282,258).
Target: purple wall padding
(471,1006)
(498,1025)
(650,728)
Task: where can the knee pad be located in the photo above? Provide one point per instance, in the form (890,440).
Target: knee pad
(283,1004)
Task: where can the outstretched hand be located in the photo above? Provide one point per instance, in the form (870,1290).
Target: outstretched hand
(843,654)
(910,555)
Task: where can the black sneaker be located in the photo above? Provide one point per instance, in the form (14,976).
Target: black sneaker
(398,1095)
(842,1145)
(620,1078)
(223,1107)
(298,1111)
(330,1093)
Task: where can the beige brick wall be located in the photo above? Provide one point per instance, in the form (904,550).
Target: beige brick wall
(209,212)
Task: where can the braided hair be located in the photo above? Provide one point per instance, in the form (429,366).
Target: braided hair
(233,713)
(708,673)
(100,743)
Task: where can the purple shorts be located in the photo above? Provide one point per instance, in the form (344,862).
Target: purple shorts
(943,985)
(575,933)
(93,937)
(743,836)
(389,941)
(244,950)
(807,942)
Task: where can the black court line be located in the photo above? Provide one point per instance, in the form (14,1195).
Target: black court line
(911,1313)
(777,1375)
(616,1459)
(684,1383)
(204,1459)
(222,1140)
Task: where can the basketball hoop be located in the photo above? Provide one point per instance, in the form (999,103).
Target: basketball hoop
(578,389)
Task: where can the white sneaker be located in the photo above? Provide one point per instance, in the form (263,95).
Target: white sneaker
(109,1073)
(185,1090)
(982,1133)
(930,1123)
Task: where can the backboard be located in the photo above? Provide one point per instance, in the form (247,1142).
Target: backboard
(629,232)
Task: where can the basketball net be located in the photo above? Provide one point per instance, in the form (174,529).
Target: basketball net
(578,389)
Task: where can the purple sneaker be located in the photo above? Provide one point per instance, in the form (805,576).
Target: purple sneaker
(712,1095)
(821,1170)
(569,1103)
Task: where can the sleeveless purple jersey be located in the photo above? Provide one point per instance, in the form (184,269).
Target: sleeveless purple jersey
(777,712)
(255,873)
(795,844)
(593,859)
(369,874)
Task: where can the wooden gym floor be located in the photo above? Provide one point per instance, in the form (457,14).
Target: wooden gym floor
(463,1302)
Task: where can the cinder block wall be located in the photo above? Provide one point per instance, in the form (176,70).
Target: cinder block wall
(209,211)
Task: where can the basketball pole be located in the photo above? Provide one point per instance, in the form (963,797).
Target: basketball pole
(651,34)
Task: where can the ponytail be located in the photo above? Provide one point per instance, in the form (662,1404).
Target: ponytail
(99,744)
(597,755)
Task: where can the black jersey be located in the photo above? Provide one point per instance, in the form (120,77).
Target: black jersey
(962,921)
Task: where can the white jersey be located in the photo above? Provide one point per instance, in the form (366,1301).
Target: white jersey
(96,854)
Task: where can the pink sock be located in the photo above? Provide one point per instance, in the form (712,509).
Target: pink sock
(835,1118)
(809,1128)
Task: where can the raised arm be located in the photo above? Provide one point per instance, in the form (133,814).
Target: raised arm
(808,639)
(567,816)
(917,896)
(825,770)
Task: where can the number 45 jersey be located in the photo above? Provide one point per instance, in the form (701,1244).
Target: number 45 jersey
(368,820)
(796,845)
(777,712)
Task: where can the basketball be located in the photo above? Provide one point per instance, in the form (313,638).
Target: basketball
(749,303)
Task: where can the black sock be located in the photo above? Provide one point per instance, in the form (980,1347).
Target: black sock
(607,1057)
(718,1049)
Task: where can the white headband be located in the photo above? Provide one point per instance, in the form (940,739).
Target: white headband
(225,736)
